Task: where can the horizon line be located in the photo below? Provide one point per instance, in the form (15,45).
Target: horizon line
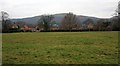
(57,14)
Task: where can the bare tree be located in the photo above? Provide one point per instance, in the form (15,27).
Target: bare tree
(5,16)
(119,14)
(115,21)
(45,22)
(5,21)
(102,24)
(118,9)
(70,22)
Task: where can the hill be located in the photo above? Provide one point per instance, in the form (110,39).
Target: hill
(57,18)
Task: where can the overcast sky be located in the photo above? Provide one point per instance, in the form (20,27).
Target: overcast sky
(29,8)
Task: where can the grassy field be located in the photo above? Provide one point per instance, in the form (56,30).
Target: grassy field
(60,48)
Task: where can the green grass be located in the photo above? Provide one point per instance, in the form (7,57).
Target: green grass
(60,48)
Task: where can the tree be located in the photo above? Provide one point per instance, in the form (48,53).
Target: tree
(70,22)
(115,23)
(5,21)
(45,22)
(102,24)
(119,14)
(5,16)
(118,9)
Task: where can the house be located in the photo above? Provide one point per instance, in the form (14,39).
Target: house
(14,26)
(26,28)
(88,24)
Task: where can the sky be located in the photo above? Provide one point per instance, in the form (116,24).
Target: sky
(30,8)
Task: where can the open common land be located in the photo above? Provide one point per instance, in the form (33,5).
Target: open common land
(60,48)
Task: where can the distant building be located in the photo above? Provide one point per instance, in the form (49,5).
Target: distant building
(26,28)
(14,26)
(90,26)
(54,27)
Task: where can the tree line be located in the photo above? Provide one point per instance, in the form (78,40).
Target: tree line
(71,22)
